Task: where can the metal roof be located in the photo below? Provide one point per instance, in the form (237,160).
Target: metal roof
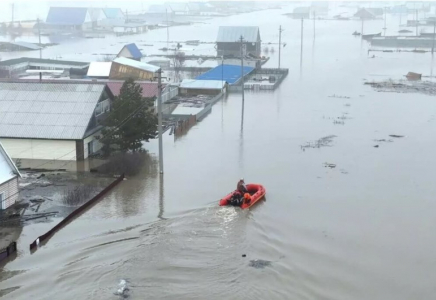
(202,84)
(8,169)
(43,110)
(136,64)
(99,69)
(29,46)
(67,15)
(228,73)
(231,34)
(11,62)
(133,49)
(149,89)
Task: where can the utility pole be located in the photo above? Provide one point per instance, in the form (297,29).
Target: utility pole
(384,29)
(159,111)
(301,56)
(13,12)
(416,22)
(314,19)
(280,42)
(222,70)
(241,39)
(39,36)
(361,30)
(434,33)
(168,28)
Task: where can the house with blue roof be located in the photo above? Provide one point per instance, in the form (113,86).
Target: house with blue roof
(228,73)
(74,18)
(130,51)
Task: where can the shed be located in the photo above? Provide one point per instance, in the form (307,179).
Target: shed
(228,73)
(124,68)
(201,87)
(99,69)
(52,120)
(130,51)
(228,40)
(9,175)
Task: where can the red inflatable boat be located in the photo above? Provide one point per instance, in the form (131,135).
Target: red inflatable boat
(256,191)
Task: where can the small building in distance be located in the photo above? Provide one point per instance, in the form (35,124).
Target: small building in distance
(124,68)
(178,8)
(69,18)
(201,87)
(368,13)
(57,120)
(9,175)
(113,13)
(229,45)
(129,28)
(301,13)
(131,51)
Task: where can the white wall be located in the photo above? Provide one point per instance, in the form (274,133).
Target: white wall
(10,192)
(97,144)
(40,149)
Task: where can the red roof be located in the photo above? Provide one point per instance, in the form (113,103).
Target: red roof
(149,89)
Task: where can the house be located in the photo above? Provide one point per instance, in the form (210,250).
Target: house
(228,41)
(18,46)
(9,175)
(130,51)
(365,14)
(97,15)
(14,67)
(201,87)
(124,68)
(70,18)
(113,13)
(301,13)
(57,120)
(178,8)
(227,73)
(99,69)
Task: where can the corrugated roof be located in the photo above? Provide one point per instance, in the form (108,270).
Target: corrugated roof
(228,73)
(231,34)
(136,64)
(99,69)
(47,110)
(8,169)
(26,45)
(133,49)
(67,15)
(149,89)
(11,62)
(202,84)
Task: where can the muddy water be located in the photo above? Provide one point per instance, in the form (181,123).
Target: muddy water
(362,229)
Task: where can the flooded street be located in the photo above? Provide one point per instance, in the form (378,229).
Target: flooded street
(342,219)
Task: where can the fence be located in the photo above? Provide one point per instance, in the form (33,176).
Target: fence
(9,250)
(173,91)
(75,213)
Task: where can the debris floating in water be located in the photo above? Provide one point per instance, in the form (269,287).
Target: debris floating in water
(322,142)
(122,289)
(259,263)
(396,136)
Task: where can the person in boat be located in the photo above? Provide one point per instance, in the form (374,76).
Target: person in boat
(241,188)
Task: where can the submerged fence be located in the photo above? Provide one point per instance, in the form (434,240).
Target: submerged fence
(9,250)
(71,216)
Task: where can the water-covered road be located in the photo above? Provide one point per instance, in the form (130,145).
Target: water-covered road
(363,229)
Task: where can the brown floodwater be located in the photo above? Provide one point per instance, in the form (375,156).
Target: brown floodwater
(342,219)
